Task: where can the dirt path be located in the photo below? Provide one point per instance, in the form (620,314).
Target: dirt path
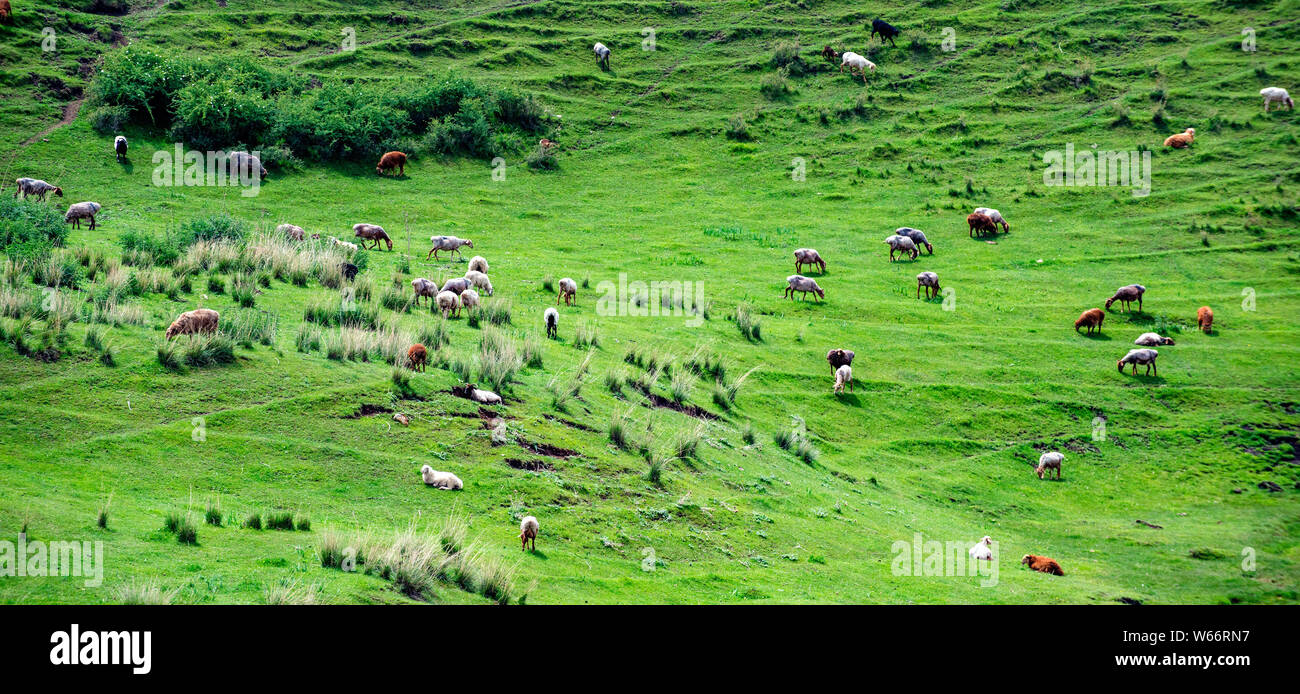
(70,111)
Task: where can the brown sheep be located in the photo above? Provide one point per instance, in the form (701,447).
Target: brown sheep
(292,232)
(839,357)
(372,232)
(1204,319)
(1043,564)
(546,144)
(390,161)
(1181,140)
(200,320)
(416,357)
(1090,319)
(6,13)
(980,223)
(830,54)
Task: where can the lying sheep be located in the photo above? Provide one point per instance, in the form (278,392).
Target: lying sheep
(1181,140)
(1146,357)
(469,299)
(440,480)
(1090,319)
(903,244)
(983,550)
(839,357)
(981,223)
(808,256)
(552,319)
(856,64)
(930,281)
(424,288)
(390,161)
(995,216)
(799,283)
(1126,295)
(1204,319)
(479,280)
(37,187)
(345,244)
(478,264)
(448,303)
(917,236)
(1152,340)
(1050,460)
(451,244)
(371,232)
(528,527)
(82,210)
(291,232)
(470,391)
(200,320)
(119,147)
(1276,95)
(568,291)
(456,285)
(843,376)
(416,357)
(602,55)
(1043,564)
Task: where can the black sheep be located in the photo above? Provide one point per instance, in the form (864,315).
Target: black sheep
(885,29)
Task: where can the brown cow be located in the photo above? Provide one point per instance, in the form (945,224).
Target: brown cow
(390,161)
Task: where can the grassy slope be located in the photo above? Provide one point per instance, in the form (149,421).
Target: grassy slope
(950,406)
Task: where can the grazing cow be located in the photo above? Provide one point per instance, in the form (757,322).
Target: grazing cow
(390,161)
(416,357)
(1044,564)
(1204,319)
(886,31)
(602,55)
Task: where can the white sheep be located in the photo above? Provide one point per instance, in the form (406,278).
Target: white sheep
(568,291)
(448,303)
(995,216)
(479,280)
(469,299)
(602,54)
(799,283)
(1276,95)
(902,244)
(1146,357)
(478,264)
(917,236)
(451,244)
(37,187)
(119,147)
(1050,460)
(552,319)
(930,281)
(808,256)
(344,244)
(424,287)
(456,285)
(291,232)
(843,377)
(82,210)
(441,480)
(983,549)
(528,528)
(1152,340)
(856,64)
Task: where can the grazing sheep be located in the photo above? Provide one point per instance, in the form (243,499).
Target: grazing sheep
(243,163)
(930,281)
(82,210)
(1050,460)
(390,161)
(448,303)
(1204,319)
(1181,140)
(416,357)
(799,283)
(440,480)
(469,299)
(983,550)
(981,223)
(917,236)
(843,376)
(1043,564)
(568,291)
(552,319)
(1127,294)
(830,54)
(456,285)
(886,31)
(424,287)
(119,147)
(839,357)
(200,320)
(472,392)
(371,232)
(856,64)
(1090,319)
(602,55)
(479,280)
(478,264)
(528,527)
(349,270)
(451,244)
(1152,340)
(37,187)
(995,216)
(903,244)
(291,232)
(1276,95)
(808,256)
(1146,357)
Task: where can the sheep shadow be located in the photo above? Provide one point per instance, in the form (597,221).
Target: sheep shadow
(1144,378)
(540,554)
(1097,336)
(127,166)
(850,399)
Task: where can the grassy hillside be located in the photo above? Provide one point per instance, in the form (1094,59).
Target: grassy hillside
(676,164)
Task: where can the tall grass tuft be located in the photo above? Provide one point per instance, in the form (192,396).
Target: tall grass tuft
(499,359)
(750,326)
